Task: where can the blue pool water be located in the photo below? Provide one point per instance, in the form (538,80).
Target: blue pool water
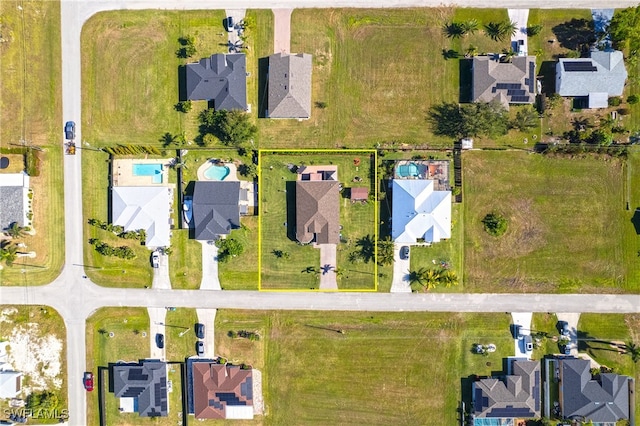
(154,170)
(407,170)
(216,172)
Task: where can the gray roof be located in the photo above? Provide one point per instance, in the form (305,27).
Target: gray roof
(518,396)
(12,202)
(506,82)
(147,382)
(289,86)
(602,72)
(215,208)
(581,396)
(318,211)
(221,78)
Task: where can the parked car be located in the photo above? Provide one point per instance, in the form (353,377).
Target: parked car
(230,24)
(516,330)
(155,259)
(404,252)
(199,331)
(200,347)
(528,343)
(564,328)
(160,340)
(87,379)
(70,130)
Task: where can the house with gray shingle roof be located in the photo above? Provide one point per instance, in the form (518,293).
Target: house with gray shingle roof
(216,209)
(289,86)
(596,78)
(517,395)
(511,82)
(145,384)
(221,79)
(14,198)
(602,400)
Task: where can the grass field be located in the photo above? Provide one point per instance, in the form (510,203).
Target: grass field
(278,218)
(566,224)
(31,104)
(314,375)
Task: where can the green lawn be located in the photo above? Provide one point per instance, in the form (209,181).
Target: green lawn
(36,323)
(278,218)
(241,272)
(314,375)
(566,221)
(185,263)
(30,97)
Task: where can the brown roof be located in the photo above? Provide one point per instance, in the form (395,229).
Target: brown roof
(318,212)
(215,385)
(358,194)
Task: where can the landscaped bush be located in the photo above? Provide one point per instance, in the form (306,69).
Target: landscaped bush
(495,224)
(615,101)
(131,150)
(633,99)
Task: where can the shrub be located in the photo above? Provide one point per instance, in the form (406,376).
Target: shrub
(615,101)
(633,99)
(495,224)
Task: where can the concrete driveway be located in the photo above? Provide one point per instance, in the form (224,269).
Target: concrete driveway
(210,280)
(328,256)
(156,326)
(161,278)
(572,319)
(207,317)
(400,282)
(238,16)
(523,319)
(520,17)
(282,30)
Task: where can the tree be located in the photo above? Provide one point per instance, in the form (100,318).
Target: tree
(183,106)
(210,139)
(385,252)
(633,99)
(448,278)
(228,248)
(231,127)
(534,30)
(44,400)
(495,224)
(492,29)
(472,51)
(507,55)
(15,230)
(188,48)
(248,23)
(8,253)
(632,350)
(470,26)
(623,28)
(476,119)
(423,278)
(526,118)
(248,170)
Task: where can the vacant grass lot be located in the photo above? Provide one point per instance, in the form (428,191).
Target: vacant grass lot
(566,223)
(314,375)
(30,100)
(278,222)
(373,95)
(241,272)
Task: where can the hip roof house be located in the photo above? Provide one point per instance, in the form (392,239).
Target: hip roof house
(220,78)
(581,397)
(146,383)
(289,85)
(318,211)
(419,212)
(597,78)
(143,207)
(506,82)
(216,209)
(14,190)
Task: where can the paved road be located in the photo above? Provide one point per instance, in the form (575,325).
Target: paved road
(76,298)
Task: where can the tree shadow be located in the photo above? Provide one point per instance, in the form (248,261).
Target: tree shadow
(182,83)
(635,220)
(575,34)
(290,188)
(263,96)
(466,79)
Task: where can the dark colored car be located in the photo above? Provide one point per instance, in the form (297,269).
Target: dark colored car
(404,252)
(87,379)
(160,340)
(516,330)
(199,331)
(230,23)
(200,347)
(70,130)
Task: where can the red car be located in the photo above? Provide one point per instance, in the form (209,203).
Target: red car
(88,381)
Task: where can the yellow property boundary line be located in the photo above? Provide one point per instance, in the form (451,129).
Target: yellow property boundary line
(375,212)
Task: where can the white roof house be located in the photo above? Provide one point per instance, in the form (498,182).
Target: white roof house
(10,384)
(143,207)
(419,212)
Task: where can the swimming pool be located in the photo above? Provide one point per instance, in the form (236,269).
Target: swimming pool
(216,172)
(153,169)
(407,170)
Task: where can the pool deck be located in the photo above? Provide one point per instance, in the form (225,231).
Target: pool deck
(233,170)
(436,170)
(122,172)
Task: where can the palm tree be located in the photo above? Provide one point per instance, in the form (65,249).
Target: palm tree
(471,51)
(508,28)
(493,30)
(8,253)
(508,55)
(449,278)
(470,26)
(385,252)
(15,230)
(633,350)
(453,30)
(424,278)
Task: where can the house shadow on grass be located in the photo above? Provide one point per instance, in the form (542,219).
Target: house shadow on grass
(548,76)
(182,83)
(291,209)
(466,79)
(263,70)
(635,220)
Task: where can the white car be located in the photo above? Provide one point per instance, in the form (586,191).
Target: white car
(155,259)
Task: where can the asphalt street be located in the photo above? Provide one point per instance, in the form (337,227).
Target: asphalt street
(75,297)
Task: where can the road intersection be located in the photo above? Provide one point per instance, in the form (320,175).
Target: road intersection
(76,298)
